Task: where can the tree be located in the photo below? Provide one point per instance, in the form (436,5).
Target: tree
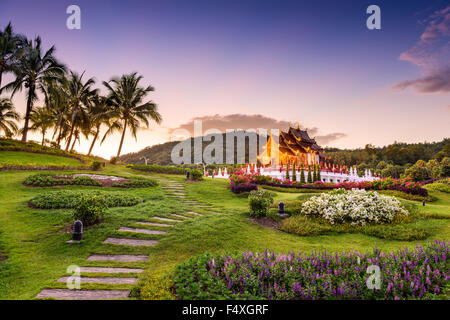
(100,114)
(41,120)
(319,178)
(419,171)
(314,173)
(10,45)
(32,70)
(8,116)
(80,95)
(287,171)
(294,174)
(126,98)
(309,174)
(302,174)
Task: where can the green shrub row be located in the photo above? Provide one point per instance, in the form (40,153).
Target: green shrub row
(137,183)
(68,199)
(50,180)
(160,169)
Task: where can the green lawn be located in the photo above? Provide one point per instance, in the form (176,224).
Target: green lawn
(32,241)
(19,158)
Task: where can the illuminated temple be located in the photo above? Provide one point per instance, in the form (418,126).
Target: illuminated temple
(294,146)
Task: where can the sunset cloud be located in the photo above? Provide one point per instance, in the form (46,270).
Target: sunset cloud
(255,121)
(432,54)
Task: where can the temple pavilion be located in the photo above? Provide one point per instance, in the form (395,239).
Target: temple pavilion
(294,146)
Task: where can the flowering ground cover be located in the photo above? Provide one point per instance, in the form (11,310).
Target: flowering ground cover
(420,273)
(406,185)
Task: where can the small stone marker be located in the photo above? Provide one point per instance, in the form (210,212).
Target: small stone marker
(281,207)
(188,174)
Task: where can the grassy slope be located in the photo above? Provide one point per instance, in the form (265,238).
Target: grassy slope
(15,158)
(33,241)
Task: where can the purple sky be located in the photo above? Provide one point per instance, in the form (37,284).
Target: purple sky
(302,61)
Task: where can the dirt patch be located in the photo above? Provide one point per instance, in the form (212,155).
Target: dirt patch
(266,222)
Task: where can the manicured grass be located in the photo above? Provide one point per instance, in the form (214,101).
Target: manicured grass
(27,159)
(32,241)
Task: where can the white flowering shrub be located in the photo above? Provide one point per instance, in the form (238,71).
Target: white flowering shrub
(355,206)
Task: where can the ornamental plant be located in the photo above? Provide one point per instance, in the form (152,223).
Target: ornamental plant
(420,273)
(302,174)
(294,174)
(90,209)
(259,201)
(357,207)
(309,175)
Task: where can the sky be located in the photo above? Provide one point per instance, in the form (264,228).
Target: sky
(241,64)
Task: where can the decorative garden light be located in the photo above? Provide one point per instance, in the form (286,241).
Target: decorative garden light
(281,207)
(77,231)
(188,174)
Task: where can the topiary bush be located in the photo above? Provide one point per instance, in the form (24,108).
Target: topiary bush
(196,175)
(96,165)
(259,201)
(90,209)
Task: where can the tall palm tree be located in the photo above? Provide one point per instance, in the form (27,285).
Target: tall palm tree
(10,45)
(101,114)
(8,116)
(32,70)
(126,98)
(42,121)
(80,96)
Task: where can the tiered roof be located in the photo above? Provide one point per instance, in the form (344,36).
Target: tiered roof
(297,141)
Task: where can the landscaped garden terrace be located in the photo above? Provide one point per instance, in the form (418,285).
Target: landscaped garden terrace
(236,246)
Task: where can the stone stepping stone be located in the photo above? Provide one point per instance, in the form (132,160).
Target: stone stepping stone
(117,257)
(146,231)
(67,294)
(180,216)
(155,224)
(107,280)
(131,242)
(195,213)
(109,270)
(166,219)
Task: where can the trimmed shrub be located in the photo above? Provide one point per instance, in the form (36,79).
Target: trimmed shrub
(160,169)
(240,188)
(196,175)
(136,182)
(68,199)
(90,209)
(259,201)
(96,165)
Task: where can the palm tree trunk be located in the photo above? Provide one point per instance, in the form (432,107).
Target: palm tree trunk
(43,138)
(93,141)
(71,129)
(27,114)
(123,136)
(58,140)
(1,75)
(73,144)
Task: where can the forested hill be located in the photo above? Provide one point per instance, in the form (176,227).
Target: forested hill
(396,153)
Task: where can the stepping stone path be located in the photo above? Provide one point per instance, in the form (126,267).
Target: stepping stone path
(176,191)
(67,294)
(105,280)
(155,224)
(116,257)
(131,242)
(146,231)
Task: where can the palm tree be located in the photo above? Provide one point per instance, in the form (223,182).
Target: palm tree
(80,97)
(8,117)
(42,121)
(126,99)
(10,45)
(100,114)
(32,70)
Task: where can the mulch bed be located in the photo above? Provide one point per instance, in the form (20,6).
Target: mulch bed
(266,222)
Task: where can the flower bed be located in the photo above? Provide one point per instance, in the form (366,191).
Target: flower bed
(354,206)
(404,274)
(406,185)
(160,169)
